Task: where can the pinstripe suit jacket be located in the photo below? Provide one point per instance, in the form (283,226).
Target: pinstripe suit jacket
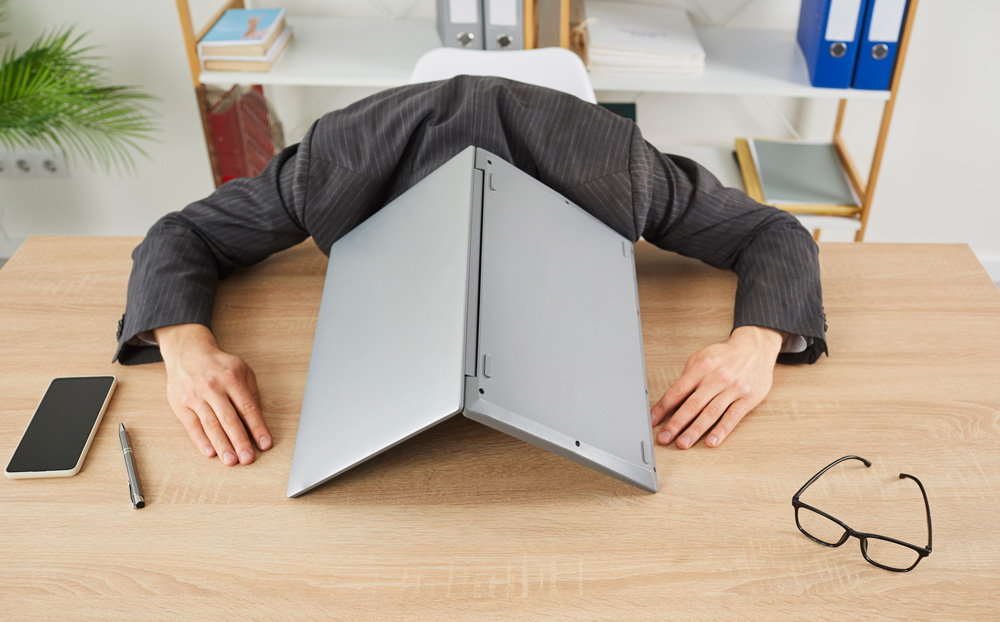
(354,161)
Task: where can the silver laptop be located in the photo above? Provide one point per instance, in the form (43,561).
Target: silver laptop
(483,292)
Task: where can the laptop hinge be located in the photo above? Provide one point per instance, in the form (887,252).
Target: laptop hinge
(475,255)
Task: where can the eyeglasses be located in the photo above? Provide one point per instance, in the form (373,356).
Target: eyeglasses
(886,553)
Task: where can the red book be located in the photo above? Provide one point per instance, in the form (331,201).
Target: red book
(242,132)
(227,139)
(255,130)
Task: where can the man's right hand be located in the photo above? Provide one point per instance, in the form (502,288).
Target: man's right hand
(213,394)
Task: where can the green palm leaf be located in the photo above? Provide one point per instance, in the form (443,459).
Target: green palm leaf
(52,97)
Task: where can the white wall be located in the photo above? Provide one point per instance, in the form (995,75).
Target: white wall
(942,159)
(937,172)
(143,45)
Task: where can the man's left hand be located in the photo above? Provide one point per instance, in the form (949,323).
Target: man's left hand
(720,383)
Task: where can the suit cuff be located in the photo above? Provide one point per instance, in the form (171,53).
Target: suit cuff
(815,347)
(799,347)
(136,344)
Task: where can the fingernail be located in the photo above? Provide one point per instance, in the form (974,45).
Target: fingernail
(713,440)
(207,449)
(229,458)
(265,442)
(685,441)
(246,456)
(664,437)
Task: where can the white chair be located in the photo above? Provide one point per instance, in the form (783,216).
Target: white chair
(555,68)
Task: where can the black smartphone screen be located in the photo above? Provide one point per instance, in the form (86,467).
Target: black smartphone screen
(61,426)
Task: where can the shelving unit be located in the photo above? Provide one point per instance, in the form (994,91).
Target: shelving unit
(353,52)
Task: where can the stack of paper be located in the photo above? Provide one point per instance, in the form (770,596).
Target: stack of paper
(642,38)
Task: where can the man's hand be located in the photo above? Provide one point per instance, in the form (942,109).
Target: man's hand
(213,394)
(725,380)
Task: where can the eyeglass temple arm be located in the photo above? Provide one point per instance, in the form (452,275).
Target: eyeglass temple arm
(830,466)
(927,505)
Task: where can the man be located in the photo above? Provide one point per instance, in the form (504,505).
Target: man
(354,161)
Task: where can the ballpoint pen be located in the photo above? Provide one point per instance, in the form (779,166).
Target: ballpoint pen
(135,491)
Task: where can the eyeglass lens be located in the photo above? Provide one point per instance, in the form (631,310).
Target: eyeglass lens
(889,554)
(819,527)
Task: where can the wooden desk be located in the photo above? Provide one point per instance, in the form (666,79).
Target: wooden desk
(466,523)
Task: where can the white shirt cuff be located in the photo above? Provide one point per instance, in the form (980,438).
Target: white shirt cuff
(145,338)
(793,344)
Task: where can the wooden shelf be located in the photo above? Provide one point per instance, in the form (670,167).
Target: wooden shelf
(381,53)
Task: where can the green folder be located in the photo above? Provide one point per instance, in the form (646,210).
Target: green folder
(801,173)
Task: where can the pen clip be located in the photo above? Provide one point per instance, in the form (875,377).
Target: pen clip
(138,502)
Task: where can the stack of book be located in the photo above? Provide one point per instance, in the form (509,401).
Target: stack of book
(245,40)
(642,39)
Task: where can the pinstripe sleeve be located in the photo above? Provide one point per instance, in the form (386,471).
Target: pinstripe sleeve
(682,207)
(176,268)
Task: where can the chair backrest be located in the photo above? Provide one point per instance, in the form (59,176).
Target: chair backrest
(555,68)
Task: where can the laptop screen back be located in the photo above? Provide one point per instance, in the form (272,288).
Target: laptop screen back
(560,359)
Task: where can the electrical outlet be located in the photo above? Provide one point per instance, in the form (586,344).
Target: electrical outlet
(14,164)
(8,165)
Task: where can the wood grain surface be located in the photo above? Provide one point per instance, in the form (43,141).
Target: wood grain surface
(465,523)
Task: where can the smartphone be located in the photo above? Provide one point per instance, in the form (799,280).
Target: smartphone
(60,432)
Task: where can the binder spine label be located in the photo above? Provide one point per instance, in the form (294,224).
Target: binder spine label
(463,11)
(843,20)
(887,20)
(503,13)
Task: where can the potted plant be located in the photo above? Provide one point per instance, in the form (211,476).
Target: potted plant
(53,96)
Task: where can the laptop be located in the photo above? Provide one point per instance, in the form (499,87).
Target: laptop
(481,292)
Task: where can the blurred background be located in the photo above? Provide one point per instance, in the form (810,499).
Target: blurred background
(936,184)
